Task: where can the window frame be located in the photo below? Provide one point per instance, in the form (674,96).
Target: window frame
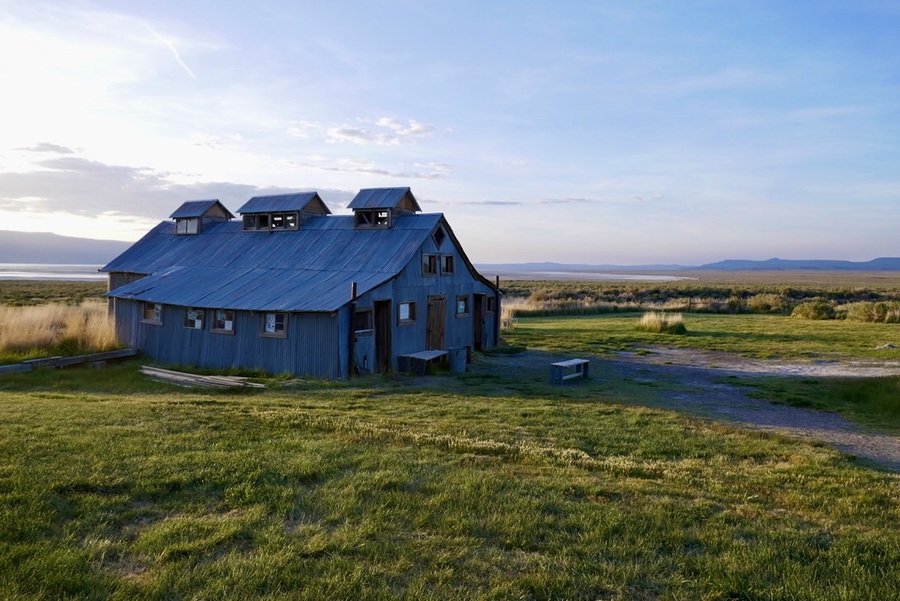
(490,303)
(369,320)
(201,319)
(466,299)
(280,330)
(216,329)
(410,319)
(155,309)
(187,226)
(430,264)
(448,264)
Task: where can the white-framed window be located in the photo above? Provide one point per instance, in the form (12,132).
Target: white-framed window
(193,318)
(406,313)
(223,321)
(152,313)
(274,325)
(187,226)
(462,305)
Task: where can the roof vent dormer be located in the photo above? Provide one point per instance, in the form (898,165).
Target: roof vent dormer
(281,211)
(190,217)
(375,208)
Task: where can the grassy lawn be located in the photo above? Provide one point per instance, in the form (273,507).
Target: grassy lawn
(479,487)
(872,402)
(754,335)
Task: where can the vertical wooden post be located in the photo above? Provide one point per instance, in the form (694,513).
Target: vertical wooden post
(497,314)
(352,342)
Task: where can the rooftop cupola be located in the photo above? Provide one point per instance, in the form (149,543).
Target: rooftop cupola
(281,211)
(192,215)
(375,208)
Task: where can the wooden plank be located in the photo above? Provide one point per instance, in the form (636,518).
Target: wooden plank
(570,362)
(187,379)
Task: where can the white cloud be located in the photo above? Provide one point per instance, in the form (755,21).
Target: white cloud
(385,131)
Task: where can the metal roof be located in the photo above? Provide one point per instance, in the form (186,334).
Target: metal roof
(280,202)
(309,269)
(382,198)
(198,208)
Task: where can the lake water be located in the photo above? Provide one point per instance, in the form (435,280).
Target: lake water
(592,276)
(45,271)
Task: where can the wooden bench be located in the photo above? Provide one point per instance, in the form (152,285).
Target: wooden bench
(568,370)
(416,362)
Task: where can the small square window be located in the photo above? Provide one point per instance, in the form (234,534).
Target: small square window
(223,322)
(152,313)
(462,305)
(363,320)
(193,319)
(490,304)
(187,226)
(447,264)
(406,313)
(429,265)
(274,325)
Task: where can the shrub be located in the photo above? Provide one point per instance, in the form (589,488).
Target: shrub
(662,323)
(766,303)
(814,310)
(880,312)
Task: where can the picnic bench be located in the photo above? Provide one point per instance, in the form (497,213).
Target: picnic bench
(416,362)
(561,371)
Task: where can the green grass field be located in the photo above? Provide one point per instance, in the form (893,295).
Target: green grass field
(472,486)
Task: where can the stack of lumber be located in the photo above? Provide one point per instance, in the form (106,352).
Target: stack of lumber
(186,379)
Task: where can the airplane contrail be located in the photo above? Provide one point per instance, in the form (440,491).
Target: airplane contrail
(174,50)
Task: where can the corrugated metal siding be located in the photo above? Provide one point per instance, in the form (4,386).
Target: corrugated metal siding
(379,198)
(312,347)
(278,202)
(193,208)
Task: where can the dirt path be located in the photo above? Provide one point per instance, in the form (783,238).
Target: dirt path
(696,383)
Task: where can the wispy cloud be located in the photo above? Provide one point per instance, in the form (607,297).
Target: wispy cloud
(386,131)
(48,147)
(171,46)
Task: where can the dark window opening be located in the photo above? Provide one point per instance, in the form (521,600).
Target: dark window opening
(439,235)
(363,320)
(429,265)
(372,218)
(447,264)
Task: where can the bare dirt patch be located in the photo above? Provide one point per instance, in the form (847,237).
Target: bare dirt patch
(696,382)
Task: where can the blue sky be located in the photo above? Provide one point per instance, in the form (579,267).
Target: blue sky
(579,132)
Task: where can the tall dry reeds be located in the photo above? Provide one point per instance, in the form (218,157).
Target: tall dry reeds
(58,328)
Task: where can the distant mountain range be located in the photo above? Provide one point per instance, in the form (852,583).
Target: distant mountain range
(880,264)
(28,247)
(31,247)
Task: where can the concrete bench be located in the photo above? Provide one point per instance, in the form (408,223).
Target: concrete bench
(561,371)
(416,362)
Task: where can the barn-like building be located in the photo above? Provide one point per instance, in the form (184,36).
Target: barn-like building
(290,287)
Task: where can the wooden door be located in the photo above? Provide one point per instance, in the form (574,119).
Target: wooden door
(478,322)
(383,336)
(434,332)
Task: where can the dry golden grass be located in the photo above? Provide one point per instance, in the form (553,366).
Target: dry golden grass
(82,328)
(663,323)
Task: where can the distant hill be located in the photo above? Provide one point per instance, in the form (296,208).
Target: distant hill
(880,264)
(31,247)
